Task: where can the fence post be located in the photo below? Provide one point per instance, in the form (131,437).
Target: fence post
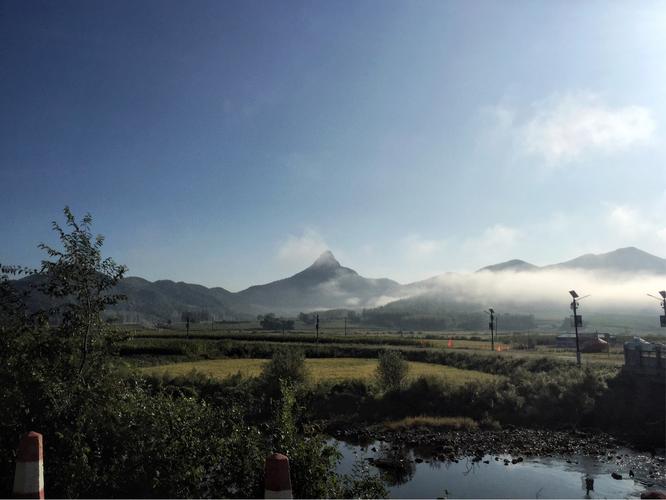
(278,482)
(29,476)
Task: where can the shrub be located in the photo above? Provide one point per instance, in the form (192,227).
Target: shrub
(439,423)
(392,370)
(286,365)
(312,461)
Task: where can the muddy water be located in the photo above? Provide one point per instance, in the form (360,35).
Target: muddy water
(410,473)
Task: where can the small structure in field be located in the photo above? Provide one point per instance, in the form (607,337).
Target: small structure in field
(645,358)
(589,342)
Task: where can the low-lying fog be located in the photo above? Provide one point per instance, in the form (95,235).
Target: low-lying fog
(609,291)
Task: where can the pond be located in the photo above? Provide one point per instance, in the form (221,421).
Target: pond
(410,473)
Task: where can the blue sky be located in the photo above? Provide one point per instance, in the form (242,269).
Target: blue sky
(229,143)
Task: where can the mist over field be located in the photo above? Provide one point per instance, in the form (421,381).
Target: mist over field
(608,290)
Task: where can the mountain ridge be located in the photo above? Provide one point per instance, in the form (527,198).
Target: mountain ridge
(326,284)
(626,259)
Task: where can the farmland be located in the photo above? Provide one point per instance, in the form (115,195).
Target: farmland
(325,369)
(201,339)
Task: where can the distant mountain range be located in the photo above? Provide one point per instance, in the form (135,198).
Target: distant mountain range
(326,284)
(624,260)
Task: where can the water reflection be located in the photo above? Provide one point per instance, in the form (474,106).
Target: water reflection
(395,463)
(421,473)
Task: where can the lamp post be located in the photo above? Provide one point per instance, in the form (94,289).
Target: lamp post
(317,327)
(578,320)
(491,311)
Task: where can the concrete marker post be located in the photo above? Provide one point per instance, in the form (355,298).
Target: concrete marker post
(29,476)
(278,480)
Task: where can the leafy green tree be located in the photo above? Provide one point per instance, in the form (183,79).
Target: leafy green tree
(287,365)
(313,461)
(83,281)
(50,373)
(270,322)
(391,370)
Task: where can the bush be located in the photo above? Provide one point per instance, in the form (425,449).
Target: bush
(312,461)
(439,423)
(392,370)
(287,365)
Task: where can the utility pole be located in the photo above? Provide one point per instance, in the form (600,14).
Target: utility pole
(187,325)
(345,326)
(497,328)
(578,320)
(574,306)
(317,327)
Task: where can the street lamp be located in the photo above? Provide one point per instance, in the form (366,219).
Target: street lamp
(578,320)
(662,303)
(491,311)
(317,327)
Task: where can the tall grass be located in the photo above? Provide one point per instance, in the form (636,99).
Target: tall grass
(438,423)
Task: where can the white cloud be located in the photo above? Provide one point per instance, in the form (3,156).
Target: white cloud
(416,247)
(627,221)
(497,237)
(638,225)
(609,290)
(565,128)
(430,256)
(302,249)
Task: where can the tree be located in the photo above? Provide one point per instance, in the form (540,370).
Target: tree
(270,322)
(391,370)
(83,280)
(286,365)
(54,372)
(307,318)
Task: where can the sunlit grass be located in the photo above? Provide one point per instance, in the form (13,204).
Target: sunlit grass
(320,369)
(440,423)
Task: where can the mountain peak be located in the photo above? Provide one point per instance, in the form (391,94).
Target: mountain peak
(627,259)
(326,259)
(510,265)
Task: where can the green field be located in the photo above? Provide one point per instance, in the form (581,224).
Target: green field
(323,369)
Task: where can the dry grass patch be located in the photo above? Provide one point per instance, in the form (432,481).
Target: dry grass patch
(320,369)
(439,423)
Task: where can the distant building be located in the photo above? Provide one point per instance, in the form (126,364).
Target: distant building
(645,359)
(589,342)
(566,341)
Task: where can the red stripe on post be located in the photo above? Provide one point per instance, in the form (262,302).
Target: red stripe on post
(30,448)
(29,475)
(39,495)
(277,473)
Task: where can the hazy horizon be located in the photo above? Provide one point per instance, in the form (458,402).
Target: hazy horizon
(230,143)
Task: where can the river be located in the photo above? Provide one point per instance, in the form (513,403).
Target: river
(415,474)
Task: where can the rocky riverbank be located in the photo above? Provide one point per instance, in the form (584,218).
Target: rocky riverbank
(451,445)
